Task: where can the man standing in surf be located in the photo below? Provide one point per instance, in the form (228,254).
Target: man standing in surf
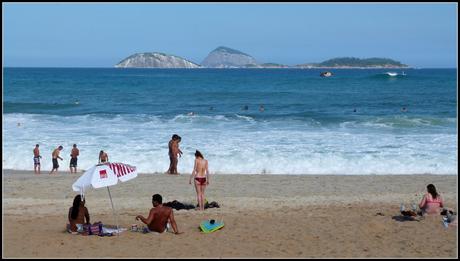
(174,153)
(55,156)
(37,160)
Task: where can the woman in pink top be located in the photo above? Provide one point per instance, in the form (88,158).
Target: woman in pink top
(432,202)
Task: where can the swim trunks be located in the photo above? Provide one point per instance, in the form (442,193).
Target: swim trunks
(55,164)
(73,162)
(36,160)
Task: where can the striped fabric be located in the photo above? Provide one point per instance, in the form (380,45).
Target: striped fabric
(121,169)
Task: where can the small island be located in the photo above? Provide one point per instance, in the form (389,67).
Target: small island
(357,63)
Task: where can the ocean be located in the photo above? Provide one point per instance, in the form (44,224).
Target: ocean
(350,123)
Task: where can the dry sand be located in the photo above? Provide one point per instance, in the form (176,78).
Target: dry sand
(287,216)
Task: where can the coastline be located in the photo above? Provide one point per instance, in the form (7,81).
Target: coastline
(265,216)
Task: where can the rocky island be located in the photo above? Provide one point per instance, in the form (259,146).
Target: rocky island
(155,60)
(224,57)
(352,62)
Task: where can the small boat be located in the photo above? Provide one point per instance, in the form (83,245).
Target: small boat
(392,74)
(326,74)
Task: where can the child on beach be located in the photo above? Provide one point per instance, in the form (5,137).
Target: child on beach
(432,202)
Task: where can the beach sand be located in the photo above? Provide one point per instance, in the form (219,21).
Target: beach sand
(265,216)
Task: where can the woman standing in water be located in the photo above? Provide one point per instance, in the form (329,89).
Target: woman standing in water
(200,174)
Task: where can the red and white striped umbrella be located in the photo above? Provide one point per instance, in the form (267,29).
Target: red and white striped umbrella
(104,175)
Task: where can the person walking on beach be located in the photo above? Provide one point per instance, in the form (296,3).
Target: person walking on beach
(103,157)
(73,158)
(55,156)
(200,174)
(174,153)
(159,217)
(37,159)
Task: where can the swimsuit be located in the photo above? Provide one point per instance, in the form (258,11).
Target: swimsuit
(73,162)
(55,164)
(36,160)
(202,181)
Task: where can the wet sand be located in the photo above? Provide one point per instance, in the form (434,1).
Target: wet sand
(265,216)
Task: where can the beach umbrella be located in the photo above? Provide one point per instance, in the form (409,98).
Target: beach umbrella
(105,175)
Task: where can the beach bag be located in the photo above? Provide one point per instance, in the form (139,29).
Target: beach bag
(94,229)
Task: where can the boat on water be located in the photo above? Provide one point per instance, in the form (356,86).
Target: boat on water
(326,74)
(393,74)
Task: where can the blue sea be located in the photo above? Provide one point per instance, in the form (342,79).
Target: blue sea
(350,123)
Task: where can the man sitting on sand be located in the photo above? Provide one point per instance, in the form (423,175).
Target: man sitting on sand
(55,156)
(159,216)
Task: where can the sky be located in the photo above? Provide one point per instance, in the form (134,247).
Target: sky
(100,35)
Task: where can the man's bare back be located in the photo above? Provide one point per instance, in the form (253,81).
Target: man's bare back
(55,153)
(161,216)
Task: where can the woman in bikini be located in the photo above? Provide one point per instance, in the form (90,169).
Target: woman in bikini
(200,175)
(432,202)
(77,215)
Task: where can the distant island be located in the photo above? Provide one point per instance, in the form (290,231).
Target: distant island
(224,57)
(352,62)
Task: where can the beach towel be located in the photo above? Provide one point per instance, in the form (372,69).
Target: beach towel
(209,226)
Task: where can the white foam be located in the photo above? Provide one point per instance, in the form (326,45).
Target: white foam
(236,145)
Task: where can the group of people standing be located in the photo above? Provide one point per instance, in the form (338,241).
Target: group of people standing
(55,155)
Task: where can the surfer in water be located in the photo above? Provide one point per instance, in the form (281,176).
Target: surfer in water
(200,174)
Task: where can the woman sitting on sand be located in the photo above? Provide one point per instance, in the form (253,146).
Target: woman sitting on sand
(200,174)
(77,215)
(432,202)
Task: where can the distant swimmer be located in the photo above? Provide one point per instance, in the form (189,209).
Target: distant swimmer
(191,113)
(354,110)
(404,109)
(245,108)
(261,108)
(211,108)
(19,124)
(37,158)
(55,156)
(77,102)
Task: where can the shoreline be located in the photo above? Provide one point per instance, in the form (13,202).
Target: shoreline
(81,171)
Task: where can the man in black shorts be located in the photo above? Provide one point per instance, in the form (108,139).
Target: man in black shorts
(55,156)
(73,159)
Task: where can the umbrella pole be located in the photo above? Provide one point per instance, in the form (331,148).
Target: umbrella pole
(114,214)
